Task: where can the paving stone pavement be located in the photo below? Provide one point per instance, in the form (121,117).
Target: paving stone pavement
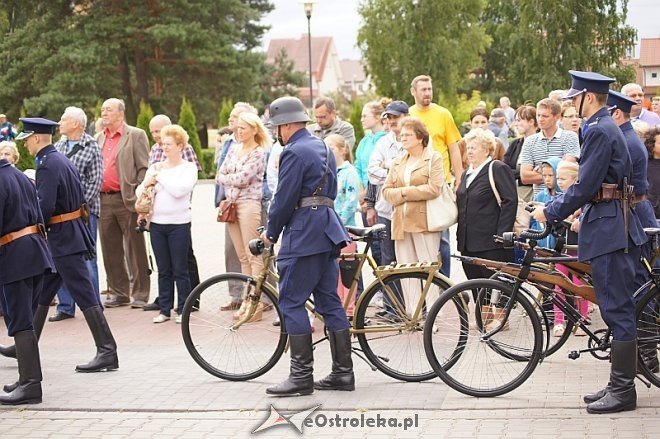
(160,392)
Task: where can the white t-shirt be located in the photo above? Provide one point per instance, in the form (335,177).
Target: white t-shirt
(172,202)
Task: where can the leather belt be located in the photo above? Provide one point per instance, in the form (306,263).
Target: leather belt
(607,192)
(29,230)
(80,213)
(315,201)
(638,199)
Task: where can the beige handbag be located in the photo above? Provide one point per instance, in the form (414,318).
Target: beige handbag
(441,212)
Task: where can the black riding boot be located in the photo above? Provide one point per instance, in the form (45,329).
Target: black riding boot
(38,322)
(341,377)
(622,395)
(28,390)
(106,348)
(593,397)
(301,379)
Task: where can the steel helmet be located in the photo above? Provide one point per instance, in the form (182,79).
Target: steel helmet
(287,109)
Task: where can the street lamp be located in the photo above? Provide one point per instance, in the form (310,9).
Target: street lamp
(308,5)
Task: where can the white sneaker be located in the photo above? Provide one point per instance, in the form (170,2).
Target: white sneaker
(558,330)
(178,319)
(160,318)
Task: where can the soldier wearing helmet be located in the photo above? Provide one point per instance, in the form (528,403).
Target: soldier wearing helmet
(302,212)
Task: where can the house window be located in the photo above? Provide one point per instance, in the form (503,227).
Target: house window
(654,75)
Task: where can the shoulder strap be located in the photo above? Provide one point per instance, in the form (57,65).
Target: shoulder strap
(492,183)
(325,174)
(74,150)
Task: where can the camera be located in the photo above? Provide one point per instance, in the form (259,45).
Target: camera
(142,226)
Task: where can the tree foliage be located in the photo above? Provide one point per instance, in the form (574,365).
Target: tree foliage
(188,122)
(280,79)
(401,39)
(225,111)
(62,52)
(144,117)
(536,42)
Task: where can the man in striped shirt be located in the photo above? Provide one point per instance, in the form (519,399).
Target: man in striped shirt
(550,141)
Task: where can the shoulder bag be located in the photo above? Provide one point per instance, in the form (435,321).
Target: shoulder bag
(441,212)
(144,204)
(523,217)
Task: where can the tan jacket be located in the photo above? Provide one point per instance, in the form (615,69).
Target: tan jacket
(412,196)
(132,159)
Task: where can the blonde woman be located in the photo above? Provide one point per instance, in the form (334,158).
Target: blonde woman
(414,178)
(9,151)
(173,180)
(242,175)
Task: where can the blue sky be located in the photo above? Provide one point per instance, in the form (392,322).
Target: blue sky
(339,19)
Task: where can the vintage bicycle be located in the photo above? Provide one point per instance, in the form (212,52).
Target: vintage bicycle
(495,359)
(389,335)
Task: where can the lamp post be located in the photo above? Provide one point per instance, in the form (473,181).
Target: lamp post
(308,5)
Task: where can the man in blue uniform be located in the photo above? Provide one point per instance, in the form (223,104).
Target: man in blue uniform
(303,212)
(620,108)
(70,241)
(603,193)
(24,259)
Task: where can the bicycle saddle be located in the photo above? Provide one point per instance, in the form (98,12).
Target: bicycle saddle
(652,231)
(364,231)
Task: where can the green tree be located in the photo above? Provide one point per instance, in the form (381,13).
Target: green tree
(401,39)
(280,79)
(225,110)
(62,52)
(188,122)
(536,42)
(356,120)
(144,117)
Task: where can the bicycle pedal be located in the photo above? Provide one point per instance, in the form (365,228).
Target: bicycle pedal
(574,355)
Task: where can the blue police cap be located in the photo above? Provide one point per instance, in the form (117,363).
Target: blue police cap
(588,81)
(619,101)
(36,125)
(395,108)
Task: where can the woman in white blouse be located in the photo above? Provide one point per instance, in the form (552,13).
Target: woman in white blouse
(173,181)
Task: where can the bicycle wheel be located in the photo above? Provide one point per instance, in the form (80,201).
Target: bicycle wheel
(648,335)
(235,354)
(391,345)
(491,362)
(547,313)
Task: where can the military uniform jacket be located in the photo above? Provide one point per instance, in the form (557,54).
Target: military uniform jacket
(640,161)
(27,256)
(604,159)
(305,231)
(60,191)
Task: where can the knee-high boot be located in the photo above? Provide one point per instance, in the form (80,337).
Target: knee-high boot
(341,377)
(28,390)
(621,395)
(301,379)
(106,347)
(38,322)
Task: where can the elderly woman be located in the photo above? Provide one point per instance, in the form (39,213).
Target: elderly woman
(173,180)
(9,151)
(242,175)
(480,216)
(414,178)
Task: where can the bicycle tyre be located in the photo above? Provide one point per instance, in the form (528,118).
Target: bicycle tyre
(399,355)
(648,335)
(235,355)
(470,371)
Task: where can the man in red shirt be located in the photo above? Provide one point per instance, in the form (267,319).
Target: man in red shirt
(125,152)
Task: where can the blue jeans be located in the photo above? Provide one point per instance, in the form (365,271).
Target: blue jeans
(445,254)
(66,304)
(171,244)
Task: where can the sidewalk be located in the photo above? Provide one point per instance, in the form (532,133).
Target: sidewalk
(160,391)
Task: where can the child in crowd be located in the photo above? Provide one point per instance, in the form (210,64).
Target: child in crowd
(346,203)
(567,174)
(549,174)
